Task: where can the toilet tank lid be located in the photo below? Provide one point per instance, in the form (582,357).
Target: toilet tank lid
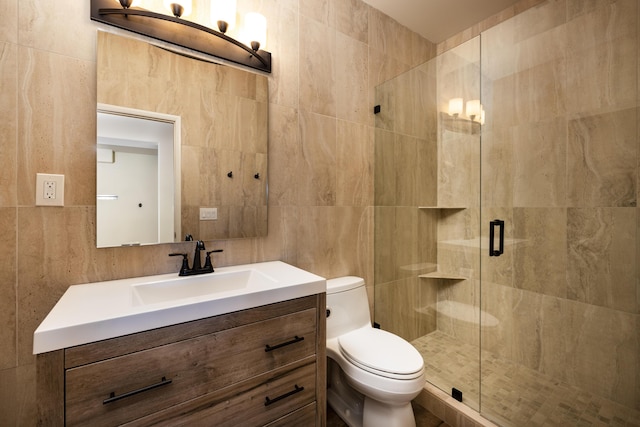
(341,284)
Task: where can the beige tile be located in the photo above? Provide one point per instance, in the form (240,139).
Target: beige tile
(352,80)
(322,11)
(540,251)
(354,166)
(498,145)
(539,164)
(46,26)
(602,170)
(9,22)
(317,68)
(56,130)
(8,267)
(284,42)
(352,18)
(283,155)
(601,244)
(9,125)
(316,174)
(602,76)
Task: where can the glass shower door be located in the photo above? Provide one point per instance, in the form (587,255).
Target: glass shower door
(427,207)
(560,340)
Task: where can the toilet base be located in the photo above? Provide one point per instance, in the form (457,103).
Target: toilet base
(377,414)
(358,410)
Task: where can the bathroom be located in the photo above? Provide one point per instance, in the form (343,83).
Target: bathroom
(321,134)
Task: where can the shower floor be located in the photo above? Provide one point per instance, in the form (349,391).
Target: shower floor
(513,395)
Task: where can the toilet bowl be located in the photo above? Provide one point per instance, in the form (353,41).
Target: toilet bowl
(372,374)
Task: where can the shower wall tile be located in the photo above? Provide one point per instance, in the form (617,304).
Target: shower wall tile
(458,310)
(602,351)
(602,76)
(9,22)
(539,163)
(406,165)
(354,154)
(427,172)
(317,68)
(56,131)
(458,170)
(498,166)
(602,255)
(541,250)
(9,124)
(590,22)
(497,318)
(384,165)
(396,243)
(316,173)
(602,165)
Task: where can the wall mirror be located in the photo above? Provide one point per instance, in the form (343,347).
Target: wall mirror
(213,118)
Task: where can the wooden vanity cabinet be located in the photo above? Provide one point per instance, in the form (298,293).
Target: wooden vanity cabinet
(261,366)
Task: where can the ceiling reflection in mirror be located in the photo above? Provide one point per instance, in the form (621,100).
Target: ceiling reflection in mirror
(220,178)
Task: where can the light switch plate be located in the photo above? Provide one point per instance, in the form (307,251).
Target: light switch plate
(49,189)
(208,214)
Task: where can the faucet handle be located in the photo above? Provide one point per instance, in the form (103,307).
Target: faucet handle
(185,263)
(207,262)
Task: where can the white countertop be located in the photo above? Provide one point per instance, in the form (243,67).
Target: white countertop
(97,311)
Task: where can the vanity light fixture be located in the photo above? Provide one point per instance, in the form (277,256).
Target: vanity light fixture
(181,32)
(455,121)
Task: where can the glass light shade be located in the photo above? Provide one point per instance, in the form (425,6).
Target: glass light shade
(186,5)
(255,29)
(455,106)
(473,108)
(224,10)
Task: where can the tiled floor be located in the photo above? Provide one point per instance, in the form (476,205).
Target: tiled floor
(424,418)
(513,395)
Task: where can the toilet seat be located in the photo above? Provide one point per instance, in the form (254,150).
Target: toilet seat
(381,353)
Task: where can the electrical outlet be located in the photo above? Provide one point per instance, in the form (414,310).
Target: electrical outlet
(49,190)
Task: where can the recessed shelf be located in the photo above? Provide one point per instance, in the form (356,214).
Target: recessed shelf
(440,275)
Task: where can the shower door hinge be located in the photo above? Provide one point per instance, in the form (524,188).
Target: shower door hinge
(376,109)
(376,325)
(456,394)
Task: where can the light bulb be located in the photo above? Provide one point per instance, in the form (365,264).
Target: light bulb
(455,107)
(223,11)
(473,108)
(255,30)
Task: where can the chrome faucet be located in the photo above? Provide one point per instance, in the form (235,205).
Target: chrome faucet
(197,264)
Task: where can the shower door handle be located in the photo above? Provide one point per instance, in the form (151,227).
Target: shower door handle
(492,228)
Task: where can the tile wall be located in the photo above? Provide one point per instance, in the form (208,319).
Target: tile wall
(328,56)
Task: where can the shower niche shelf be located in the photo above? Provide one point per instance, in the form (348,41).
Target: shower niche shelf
(443,276)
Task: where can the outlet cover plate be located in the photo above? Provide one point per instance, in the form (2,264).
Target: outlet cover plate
(49,189)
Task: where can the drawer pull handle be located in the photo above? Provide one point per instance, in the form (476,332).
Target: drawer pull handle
(113,397)
(297,389)
(293,341)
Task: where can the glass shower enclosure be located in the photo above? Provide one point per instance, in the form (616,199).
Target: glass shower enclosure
(506,222)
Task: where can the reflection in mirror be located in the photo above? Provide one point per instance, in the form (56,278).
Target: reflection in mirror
(221,144)
(138,191)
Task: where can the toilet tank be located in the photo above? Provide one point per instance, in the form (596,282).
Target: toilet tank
(347,305)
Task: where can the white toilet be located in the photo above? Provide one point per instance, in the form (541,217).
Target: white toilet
(372,374)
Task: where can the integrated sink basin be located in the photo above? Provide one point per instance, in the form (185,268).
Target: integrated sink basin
(102,310)
(199,286)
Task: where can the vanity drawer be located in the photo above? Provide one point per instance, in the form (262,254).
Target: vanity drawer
(248,405)
(128,387)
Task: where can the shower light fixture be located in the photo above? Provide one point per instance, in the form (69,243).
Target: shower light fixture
(181,32)
(454,119)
